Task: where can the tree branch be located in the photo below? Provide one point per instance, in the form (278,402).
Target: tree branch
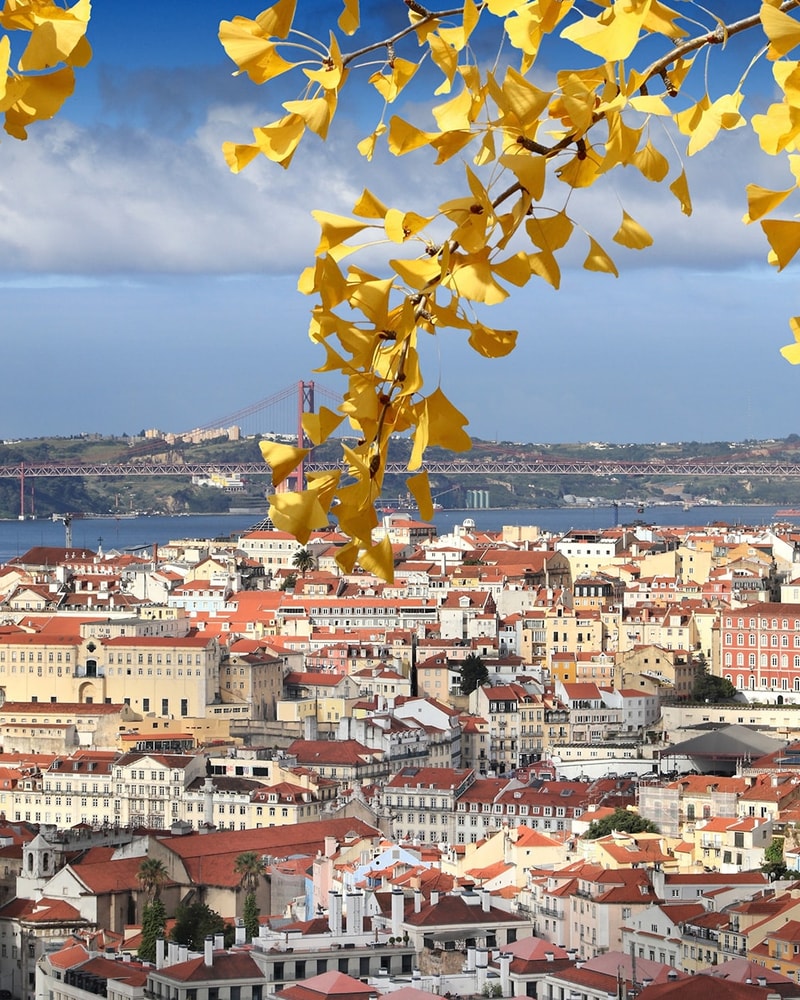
(716,37)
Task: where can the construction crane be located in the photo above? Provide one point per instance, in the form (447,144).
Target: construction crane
(67,520)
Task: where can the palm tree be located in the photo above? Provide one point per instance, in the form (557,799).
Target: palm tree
(303,560)
(249,866)
(152,874)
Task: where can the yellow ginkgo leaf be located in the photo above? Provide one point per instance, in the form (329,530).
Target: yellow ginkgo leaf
(502,8)
(253,51)
(581,171)
(782,30)
(346,557)
(349,19)
(335,229)
(450,143)
(550,232)
(332,74)
(281,458)
(761,201)
(472,277)
(298,513)
(777,129)
(792,351)
(355,512)
(651,104)
(39,98)
(417,273)
(379,559)
(420,488)
(680,188)
(438,423)
(390,85)
(492,343)
(5,56)
(279,140)
(238,155)
(613,33)
(529,170)
(366,147)
(456,114)
(404,138)
(277,19)
(446,58)
(320,425)
(324,485)
(545,265)
(316,112)
(598,260)
(631,234)
(784,238)
(401,226)
(651,164)
(53,40)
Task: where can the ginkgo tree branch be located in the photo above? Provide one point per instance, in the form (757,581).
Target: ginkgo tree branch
(718,36)
(425,16)
(524,141)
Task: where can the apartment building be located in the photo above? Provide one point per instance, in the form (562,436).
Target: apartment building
(760,651)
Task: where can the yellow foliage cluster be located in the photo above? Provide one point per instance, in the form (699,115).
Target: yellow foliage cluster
(44,76)
(509,224)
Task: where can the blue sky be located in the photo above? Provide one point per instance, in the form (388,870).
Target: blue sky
(143,285)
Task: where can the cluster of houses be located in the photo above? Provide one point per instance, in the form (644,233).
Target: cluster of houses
(419,834)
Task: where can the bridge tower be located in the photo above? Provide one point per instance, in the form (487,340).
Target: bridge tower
(305,404)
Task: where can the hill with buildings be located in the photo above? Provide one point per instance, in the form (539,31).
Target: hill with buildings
(179,494)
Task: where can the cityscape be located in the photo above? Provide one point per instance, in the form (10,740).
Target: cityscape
(383,693)
(534,762)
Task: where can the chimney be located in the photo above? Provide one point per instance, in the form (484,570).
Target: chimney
(471,959)
(417,900)
(241,932)
(485,900)
(208,951)
(219,942)
(504,960)
(434,897)
(761,980)
(173,952)
(549,956)
(183,952)
(398,901)
(481,965)
(160,949)
(331,847)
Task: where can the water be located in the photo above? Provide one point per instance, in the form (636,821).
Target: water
(16,537)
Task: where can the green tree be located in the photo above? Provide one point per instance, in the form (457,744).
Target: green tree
(250,916)
(194,922)
(154,921)
(304,561)
(622,820)
(151,876)
(473,673)
(774,866)
(709,687)
(532,142)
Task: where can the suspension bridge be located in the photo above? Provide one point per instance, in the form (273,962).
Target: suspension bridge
(281,414)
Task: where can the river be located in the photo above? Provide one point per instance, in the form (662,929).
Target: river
(17,537)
